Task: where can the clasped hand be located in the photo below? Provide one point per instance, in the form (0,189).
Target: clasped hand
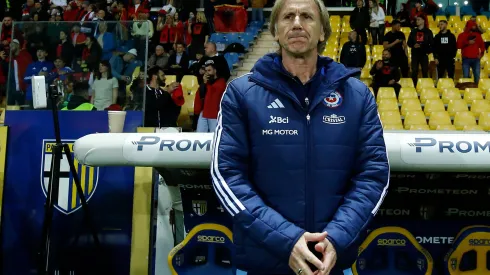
(301,255)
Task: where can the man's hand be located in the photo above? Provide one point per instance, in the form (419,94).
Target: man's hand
(391,82)
(205,78)
(436,61)
(471,42)
(398,41)
(329,256)
(172,87)
(301,254)
(416,46)
(3,55)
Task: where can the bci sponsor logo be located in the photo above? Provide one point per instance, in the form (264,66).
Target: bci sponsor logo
(449,146)
(278,119)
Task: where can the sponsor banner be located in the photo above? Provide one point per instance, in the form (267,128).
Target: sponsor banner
(109,191)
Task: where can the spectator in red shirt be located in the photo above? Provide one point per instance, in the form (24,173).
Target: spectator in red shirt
(418,11)
(7,31)
(472,49)
(168,32)
(212,90)
(71,12)
(134,10)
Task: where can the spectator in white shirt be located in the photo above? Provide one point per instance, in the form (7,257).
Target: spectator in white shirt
(377,22)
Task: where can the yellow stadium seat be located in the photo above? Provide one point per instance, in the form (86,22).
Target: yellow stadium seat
(190,84)
(446,128)
(170,79)
(365,73)
(433,105)
(456,105)
(471,94)
(484,85)
(335,18)
(444,83)
(410,105)
(449,94)
(407,93)
(385,93)
(481,18)
(428,93)
(454,18)
(388,18)
(473,128)
(378,49)
(484,121)
(462,119)
(387,30)
(465,80)
(406,82)
(419,127)
(439,118)
(466,18)
(479,106)
(424,83)
(387,105)
(439,18)
(392,126)
(414,118)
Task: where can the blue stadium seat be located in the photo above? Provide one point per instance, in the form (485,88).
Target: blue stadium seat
(451,10)
(232,36)
(258,24)
(217,38)
(231,58)
(252,29)
(467,10)
(247,36)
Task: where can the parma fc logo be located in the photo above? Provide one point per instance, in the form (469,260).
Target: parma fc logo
(68,198)
(333,100)
(200,207)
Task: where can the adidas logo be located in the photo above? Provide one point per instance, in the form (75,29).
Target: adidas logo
(276,104)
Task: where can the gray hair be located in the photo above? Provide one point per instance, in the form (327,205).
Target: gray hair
(324,19)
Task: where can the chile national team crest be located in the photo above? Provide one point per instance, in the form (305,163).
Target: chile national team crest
(333,100)
(68,200)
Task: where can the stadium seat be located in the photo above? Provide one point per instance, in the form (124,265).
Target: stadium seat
(456,105)
(438,119)
(473,128)
(170,79)
(387,105)
(414,118)
(386,93)
(423,83)
(393,127)
(444,83)
(484,85)
(410,105)
(479,106)
(446,128)
(439,18)
(449,94)
(433,105)
(406,82)
(189,83)
(391,117)
(419,128)
(484,121)
(388,18)
(454,19)
(428,93)
(465,80)
(462,119)
(471,94)
(407,93)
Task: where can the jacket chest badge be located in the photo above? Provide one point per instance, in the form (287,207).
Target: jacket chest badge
(333,100)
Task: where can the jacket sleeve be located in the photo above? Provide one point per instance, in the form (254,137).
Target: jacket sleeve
(362,62)
(430,42)
(437,45)
(462,41)
(230,175)
(454,46)
(411,39)
(481,45)
(342,54)
(369,186)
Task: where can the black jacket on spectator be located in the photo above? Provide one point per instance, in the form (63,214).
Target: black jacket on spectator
(423,37)
(67,52)
(221,65)
(384,75)
(359,18)
(445,46)
(353,55)
(184,65)
(160,109)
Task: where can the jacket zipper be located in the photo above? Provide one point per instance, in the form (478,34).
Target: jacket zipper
(308,197)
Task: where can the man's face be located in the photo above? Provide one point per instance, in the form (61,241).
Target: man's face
(101,14)
(14,46)
(198,56)
(76,29)
(442,26)
(58,63)
(386,55)
(161,78)
(418,5)
(209,49)
(37,5)
(353,36)
(395,27)
(420,22)
(359,3)
(180,48)
(30,3)
(7,21)
(41,54)
(299,27)
(128,57)
(211,72)
(159,50)
(137,2)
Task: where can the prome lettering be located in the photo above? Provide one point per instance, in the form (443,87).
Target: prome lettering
(174,145)
(446,146)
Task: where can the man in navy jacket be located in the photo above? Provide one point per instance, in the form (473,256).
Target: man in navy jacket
(299,156)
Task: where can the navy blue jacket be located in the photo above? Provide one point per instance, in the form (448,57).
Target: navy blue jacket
(282,167)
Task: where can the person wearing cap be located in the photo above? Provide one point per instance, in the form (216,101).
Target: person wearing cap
(123,65)
(472,50)
(396,42)
(421,40)
(79,100)
(41,67)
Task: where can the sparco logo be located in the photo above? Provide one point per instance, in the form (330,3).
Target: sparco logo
(435,191)
(392,242)
(210,239)
(196,186)
(445,146)
(278,119)
(434,240)
(451,212)
(479,242)
(271,132)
